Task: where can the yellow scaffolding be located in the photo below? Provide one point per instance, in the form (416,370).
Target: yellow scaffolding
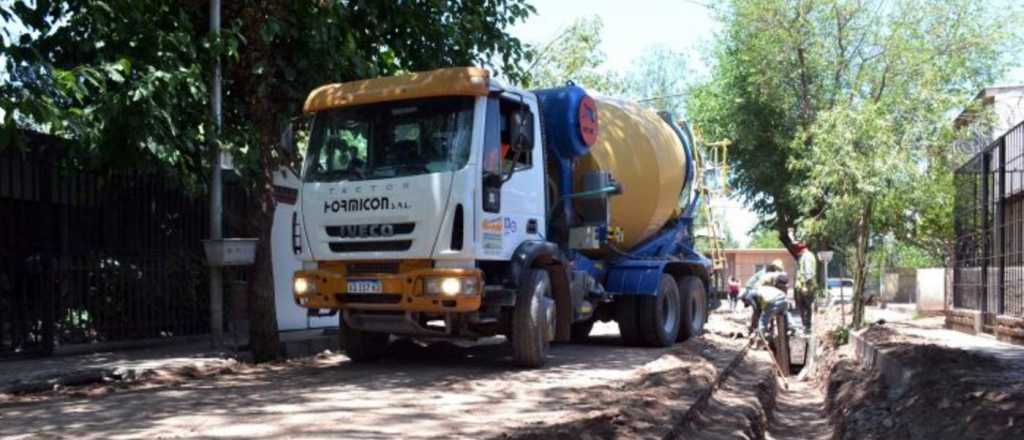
(713,184)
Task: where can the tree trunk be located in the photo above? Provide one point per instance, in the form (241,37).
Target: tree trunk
(861,264)
(263,337)
(264,109)
(263,330)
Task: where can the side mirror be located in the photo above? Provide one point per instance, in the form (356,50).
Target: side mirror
(287,141)
(521,131)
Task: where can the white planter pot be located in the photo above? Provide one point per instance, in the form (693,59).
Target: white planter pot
(230,251)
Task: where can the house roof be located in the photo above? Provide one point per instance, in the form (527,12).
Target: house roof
(986,94)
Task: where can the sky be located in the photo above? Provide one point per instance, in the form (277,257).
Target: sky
(630,26)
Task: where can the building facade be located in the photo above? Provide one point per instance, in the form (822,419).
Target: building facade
(743,263)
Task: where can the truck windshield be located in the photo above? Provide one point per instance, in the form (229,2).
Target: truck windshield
(393,139)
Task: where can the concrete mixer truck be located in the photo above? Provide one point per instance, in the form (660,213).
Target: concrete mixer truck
(445,204)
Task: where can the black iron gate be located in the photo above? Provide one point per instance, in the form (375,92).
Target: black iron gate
(88,257)
(989,222)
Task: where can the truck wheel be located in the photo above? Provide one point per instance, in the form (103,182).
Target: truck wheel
(533,320)
(695,307)
(580,331)
(626,317)
(362,346)
(659,314)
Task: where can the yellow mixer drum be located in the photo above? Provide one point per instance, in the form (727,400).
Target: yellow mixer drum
(645,155)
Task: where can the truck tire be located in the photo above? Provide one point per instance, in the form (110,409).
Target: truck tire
(362,346)
(533,320)
(580,331)
(659,314)
(626,317)
(694,311)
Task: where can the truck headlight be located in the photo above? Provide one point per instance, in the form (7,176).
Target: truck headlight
(303,286)
(450,286)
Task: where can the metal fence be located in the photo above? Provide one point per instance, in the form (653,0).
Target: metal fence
(91,257)
(989,222)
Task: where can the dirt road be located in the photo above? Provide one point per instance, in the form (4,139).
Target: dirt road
(452,392)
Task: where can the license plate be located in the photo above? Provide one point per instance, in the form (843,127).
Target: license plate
(364,286)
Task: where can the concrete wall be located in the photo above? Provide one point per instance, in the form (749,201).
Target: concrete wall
(924,287)
(900,286)
(1005,328)
(930,291)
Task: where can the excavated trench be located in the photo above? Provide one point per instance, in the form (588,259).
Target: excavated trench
(716,387)
(754,403)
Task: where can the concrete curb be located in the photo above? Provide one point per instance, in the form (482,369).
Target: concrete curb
(309,346)
(294,348)
(897,376)
(90,376)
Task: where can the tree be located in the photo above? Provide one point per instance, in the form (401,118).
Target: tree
(778,67)
(764,239)
(659,79)
(113,97)
(838,110)
(573,55)
(758,97)
(146,61)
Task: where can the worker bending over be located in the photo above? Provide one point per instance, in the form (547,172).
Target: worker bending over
(764,276)
(768,301)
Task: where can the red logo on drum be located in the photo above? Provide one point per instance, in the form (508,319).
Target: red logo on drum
(588,120)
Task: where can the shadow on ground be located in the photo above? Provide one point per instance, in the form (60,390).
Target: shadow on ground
(418,391)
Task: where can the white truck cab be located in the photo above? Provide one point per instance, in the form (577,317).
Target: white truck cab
(404,198)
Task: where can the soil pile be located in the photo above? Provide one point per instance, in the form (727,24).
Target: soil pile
(951,394)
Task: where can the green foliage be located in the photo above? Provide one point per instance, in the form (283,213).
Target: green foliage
(659,79)
(123,77)
(840,111)
(840,335)
(763,238)
(100,80)
(781,67)
(574,55)
(750,99)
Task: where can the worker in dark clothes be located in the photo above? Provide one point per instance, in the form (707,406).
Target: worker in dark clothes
(734,293)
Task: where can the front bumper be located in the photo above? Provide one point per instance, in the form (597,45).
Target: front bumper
(400,291)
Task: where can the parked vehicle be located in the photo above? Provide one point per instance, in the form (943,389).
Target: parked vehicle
(445,204)
(840,291)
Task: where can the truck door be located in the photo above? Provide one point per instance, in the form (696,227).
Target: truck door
(517,213)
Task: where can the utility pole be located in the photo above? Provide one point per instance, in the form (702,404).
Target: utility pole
(216,200)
